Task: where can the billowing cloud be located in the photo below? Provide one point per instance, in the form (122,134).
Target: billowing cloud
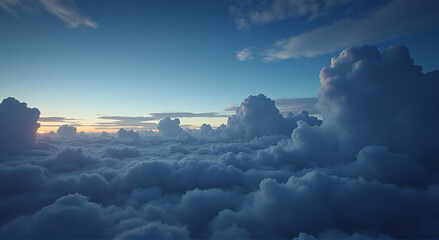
(258,116)
(18,126)
(395,19)
(369,171)
(66,131)
(245,54)
(170,128)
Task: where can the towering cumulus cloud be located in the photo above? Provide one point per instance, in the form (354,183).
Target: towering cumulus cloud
(381,99)
(18,126)
(66,131)
(370,170)
(258,116)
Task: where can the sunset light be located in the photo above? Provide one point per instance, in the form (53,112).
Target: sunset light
(237,119)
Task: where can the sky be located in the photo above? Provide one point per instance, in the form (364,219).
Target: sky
(277,119)
(80,61)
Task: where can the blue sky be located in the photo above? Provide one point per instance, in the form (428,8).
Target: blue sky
(85,59)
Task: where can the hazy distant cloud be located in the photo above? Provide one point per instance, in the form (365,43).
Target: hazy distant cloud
(398,18)
(65,10)
(231,108)
(246,13)
(296,105)
(55,119)
(186,115)
(245,54)
(122,121)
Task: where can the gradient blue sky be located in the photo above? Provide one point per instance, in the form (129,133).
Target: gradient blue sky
(86,59)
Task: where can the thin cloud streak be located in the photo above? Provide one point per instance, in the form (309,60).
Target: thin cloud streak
(64,10)
(398,18)
(69,13)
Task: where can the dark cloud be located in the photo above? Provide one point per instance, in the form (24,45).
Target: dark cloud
(121,153)
(122,133)
(18,126)
(69,160)
(369,171)
(258,116)
(55,119)
(66,131)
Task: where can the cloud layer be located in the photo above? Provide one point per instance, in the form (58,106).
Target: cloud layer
(368,171)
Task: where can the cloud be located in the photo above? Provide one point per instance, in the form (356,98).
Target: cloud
(121,153)
(245,54)
(395,19)
(122,133)
(295,105)
(68,12)
(18,126)
(186,115)
(170,128)
(64,10)
(55,119)
(369,171)
(66,131)
(258,116)
(246,13)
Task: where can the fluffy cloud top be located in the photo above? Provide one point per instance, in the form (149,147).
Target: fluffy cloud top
(369,171)
(66,131)
(258,116)
(18,126)
(169,128)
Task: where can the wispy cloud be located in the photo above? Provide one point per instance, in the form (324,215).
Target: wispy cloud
(398,18)
(246,13)
(187,115)
(55,119)
(65,10)
(148,122)
(245,54)
(68,12)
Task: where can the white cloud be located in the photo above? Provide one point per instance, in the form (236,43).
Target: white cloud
(398,18)
(245,54)
(65,10)
(246,13)
(69,13)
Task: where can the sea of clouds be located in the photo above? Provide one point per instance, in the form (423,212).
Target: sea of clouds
(370,169)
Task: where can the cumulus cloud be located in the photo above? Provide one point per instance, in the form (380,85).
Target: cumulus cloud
(368,171)
(121,153)
(122,133)
(64,10)
(18,126)
(245,54)
(170,128)
(258,116)
(395,19)
(66,131)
